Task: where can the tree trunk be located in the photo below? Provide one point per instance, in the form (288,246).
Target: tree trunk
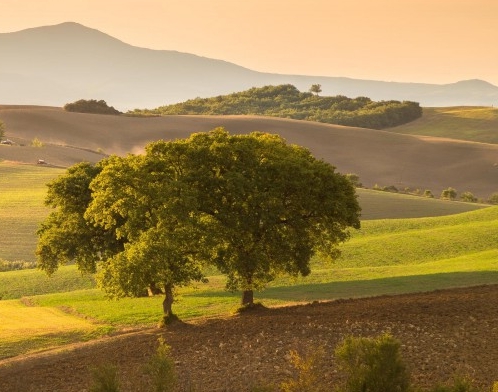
(247,298)
(168,299)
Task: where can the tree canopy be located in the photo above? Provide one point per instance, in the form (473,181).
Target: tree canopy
(287,101)
(2,130)
(251,205)
(91,106)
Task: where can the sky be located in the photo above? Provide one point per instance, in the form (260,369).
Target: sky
(427,41)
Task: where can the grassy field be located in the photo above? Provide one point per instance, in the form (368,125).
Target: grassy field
(22,194)
(384,257)
(22,209)
(475,124)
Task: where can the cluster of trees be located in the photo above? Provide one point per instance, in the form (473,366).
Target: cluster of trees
(91,106)
(288,102)
(251,205)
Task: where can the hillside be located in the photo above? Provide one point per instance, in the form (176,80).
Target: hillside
(378,157)
(470,123)
(286,101)
(53,65)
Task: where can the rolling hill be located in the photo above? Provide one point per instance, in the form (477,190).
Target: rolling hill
(378,157)
(54,65)
(470,123)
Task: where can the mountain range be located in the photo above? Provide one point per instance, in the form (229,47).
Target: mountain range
(54,65)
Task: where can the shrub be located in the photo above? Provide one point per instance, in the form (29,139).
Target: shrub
(105,379)
(161,368)
(449,194)
(468,197)
(493,199)
(428,193)
(372,365)
(308,378)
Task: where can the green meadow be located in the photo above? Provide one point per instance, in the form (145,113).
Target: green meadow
(23,189)
(475,124)
(406,244)
(22,192)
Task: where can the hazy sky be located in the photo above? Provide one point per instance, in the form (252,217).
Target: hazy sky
(434,41)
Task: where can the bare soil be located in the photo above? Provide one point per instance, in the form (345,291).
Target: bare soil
(378,157)
(443,333)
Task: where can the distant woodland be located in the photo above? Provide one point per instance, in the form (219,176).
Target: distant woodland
(286,101)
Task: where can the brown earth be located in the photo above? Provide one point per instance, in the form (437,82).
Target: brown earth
(443,333)
(378,157)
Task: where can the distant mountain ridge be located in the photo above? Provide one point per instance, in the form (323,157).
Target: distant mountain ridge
(54,65)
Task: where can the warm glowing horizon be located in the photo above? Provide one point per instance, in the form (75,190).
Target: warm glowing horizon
(422,41)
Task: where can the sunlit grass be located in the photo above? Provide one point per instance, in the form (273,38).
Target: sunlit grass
(476,124)
(27,328)
(22,194)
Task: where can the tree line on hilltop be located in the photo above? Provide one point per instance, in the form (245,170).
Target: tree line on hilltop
(286,101)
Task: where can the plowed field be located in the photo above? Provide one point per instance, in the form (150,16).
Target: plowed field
(443,333)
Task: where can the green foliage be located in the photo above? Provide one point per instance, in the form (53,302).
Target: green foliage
(315,89)
(493,199)
(387,188)
(91,106)
(2,130)
(270,206)
(161,369)
(354,179)
(428,193)
(468,197)
(251,205)
(372,365)
(287,102)
(65,235)
(449,194)
(105,379)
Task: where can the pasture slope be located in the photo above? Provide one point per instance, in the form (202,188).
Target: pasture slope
(470,123)
(378,157)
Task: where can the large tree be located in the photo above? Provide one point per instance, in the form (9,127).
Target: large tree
(271,206)
(253,205)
